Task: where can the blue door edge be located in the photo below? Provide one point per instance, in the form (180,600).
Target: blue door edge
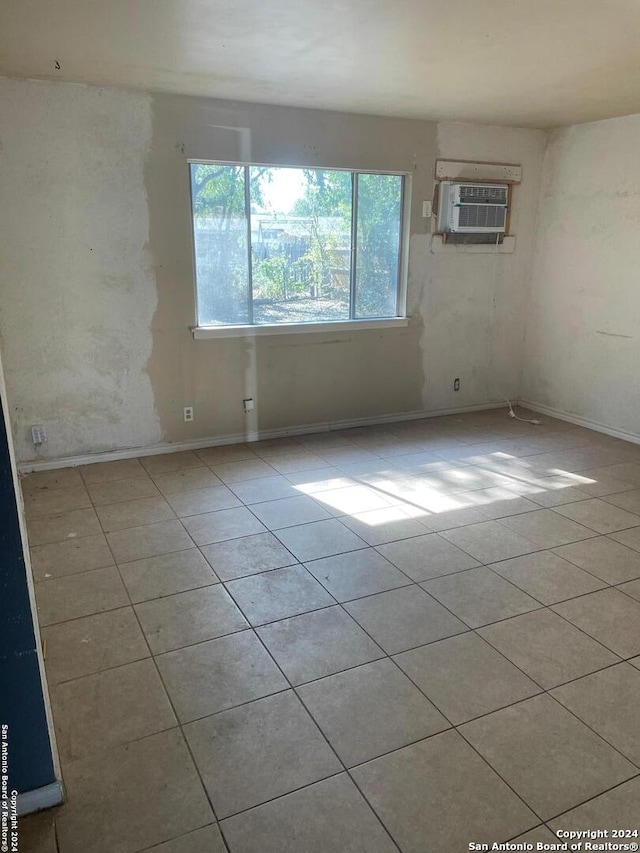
(46,788)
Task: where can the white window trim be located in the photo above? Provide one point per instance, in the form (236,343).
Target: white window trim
(248,331)
(203,332)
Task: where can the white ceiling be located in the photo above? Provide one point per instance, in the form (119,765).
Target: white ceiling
(523,62)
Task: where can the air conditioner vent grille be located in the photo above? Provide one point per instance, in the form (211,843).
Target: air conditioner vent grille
(481,216)
(487,195)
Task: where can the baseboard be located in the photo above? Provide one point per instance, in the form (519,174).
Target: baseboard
(578,421)
(238,438)
(40,798)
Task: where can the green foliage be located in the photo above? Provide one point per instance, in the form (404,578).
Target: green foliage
(312,255)
(378,244)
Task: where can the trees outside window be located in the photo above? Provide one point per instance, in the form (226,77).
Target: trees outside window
(281,245)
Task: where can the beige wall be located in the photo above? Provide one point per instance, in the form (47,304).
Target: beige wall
(97,282)
(583,330)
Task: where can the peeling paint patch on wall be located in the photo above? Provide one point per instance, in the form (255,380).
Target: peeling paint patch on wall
(583,320)
(77,277)
(482,296)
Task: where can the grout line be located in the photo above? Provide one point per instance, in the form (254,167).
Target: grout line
(589,800)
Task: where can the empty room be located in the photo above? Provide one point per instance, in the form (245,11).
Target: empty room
(320,434)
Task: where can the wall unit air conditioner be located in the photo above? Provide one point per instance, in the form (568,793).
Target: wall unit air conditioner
(472,208)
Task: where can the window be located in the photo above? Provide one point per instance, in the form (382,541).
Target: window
(276,245)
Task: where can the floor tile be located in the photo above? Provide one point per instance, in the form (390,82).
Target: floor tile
(428,556)
(403,506)
(326,439)
(59,478)
(131,780)
(352,500)
(465,677)
(329,816)
(166,462)
(222,525)
(347,455)
(225,453)
(268,447)
(93,643)
(259,751)
(319,480)
(547,577)
(119,516)
(546,755)
(219,674)
(317,644)
(547,648)
(358,573)
(202,500)
(130,489)
(599,516)
(404,618)
(546,528)
(611,561)
(629,472)
(608,703)
(300,460)
(288,512)
(479,596)
(236,472)
(278,594)
(549,493)
(631,588)
(441,790)
(580,459)
(188,618)
(109,472)
(319,539)
(489,541)
(186,481)
(62,526)
(631,538)
(247,555)
(67,558)
(135,543)
(609,616)
(47,502)
(108,708)
(205,840)
(601,482)
(370,710)
(498,503)
(166,574)
(69,597)
(540,833)
(626,500)
(264,489)
(37,833)
(617,808)
(452,518)
(380,526)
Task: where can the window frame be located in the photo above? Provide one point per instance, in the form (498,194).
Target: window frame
(250,330)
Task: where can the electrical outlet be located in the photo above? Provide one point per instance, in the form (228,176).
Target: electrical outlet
(456,383)
(248,405)
(188,414)
(38,434)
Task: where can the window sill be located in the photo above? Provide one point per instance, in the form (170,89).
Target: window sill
(201,332)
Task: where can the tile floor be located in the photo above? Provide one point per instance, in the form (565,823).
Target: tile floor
(405,637)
